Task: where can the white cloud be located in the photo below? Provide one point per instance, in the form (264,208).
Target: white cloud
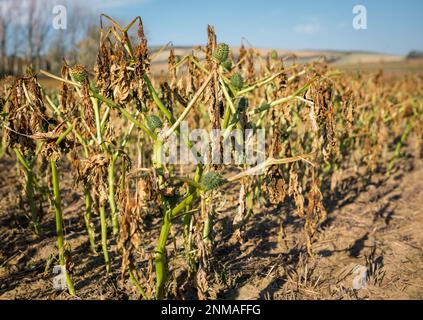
(311,27)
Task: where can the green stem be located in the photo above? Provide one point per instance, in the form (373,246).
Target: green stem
(29,190)
(137,284)
(227,96)
(59,226)
(226,117)
(64,134)
(157,100)
(187,216)
(186,202)
(208,226)
(260,83)
(160,260)
(161,263)
(104,119)
(87,219)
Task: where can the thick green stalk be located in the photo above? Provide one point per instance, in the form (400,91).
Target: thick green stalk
(184,203)
(157,100)
(59,226)
(208,226)
(226,117)
(260,83)
(87,219)
(161,262)
(29,190)
(160,258)
(187,216)
(64,134)
(104,119)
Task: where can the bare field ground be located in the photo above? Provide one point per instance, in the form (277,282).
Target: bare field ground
(393,68)
(342,59)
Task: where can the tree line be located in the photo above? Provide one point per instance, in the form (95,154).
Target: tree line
(27,36)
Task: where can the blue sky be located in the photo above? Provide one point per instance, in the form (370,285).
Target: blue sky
(394,26)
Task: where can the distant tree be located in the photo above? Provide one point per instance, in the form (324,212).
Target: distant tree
(415,55)
(27,35)
(66,44)
(88,47)
(56,53)
(8,14)
(37,27)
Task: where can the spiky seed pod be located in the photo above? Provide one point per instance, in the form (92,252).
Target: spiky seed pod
(221,53)
(79,73)
(154,122)
(237,81)
(212,180)
(227,65)
(274,55)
